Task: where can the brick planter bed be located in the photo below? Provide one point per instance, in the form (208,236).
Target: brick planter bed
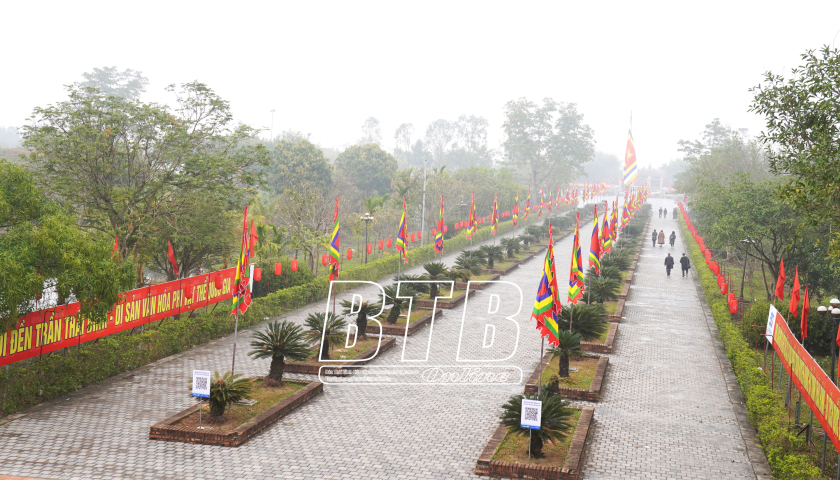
(629,278)
(593,394)
(606,347)
(312,368)
(476,286)
(447,303)
(400,330)
(571,469)
(624,291)
(167,430)
(502,271)
(619,309)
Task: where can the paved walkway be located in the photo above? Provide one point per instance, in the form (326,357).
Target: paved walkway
(665,413)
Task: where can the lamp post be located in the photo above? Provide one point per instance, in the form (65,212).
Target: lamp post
(747,241)
(366,218)
(463,206)
(272,126)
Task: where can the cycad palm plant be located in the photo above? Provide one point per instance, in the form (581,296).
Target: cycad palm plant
(418,282)
(492,253)
(526,240)
(603,289)
(587,320)
(366,310)
(328,326)
(280,341)
(554,419)
(568,344)
(226,389)
(397,302)
(435,271)
(510,246)
(474,264)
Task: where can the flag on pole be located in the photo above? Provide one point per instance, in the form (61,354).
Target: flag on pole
(335,246)
(550,198)
(172,256)
(471,225)
(515,218)
(614,221)
(494,219)
(547,306)
(576,285)
(780,282)
(116,244)
(527,204)
(542,197)
(595,245)
(252,242)
(242,294)
(630,172)
(439,232)
(401,236)
(803,323)
(794,294)
(606,239)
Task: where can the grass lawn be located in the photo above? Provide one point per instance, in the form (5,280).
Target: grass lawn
(624,275)
(483,276)
(516,256)
(416,314)
(602,339)
(346,353)
(580,379)
(514,448)
(239,414)
(610,307)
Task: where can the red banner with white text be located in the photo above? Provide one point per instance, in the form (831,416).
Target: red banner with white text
(59,327)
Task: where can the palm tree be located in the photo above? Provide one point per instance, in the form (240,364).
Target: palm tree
(492,253)
(459,274)
(372,204)
(526,240)
(366,309)
(603,289)
(227,389)
(554,419)
(280,341)
(473,265)
(568,344)
(435,271)
(588,320)
(397,302)
(328,326)
(609,271)
(510,246)
(418,282)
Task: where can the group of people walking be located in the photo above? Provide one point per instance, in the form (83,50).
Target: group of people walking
(663,212)
(659,237)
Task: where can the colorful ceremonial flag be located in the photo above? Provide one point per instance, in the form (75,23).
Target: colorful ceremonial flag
(242,294)
(794,295)
(439,232)
(172,256)
(576,285)
(780,282)
(547,306)
(595,245)
(803,323)
(527,204)
(471,221)
(401,235)
(252,242)
(606,239)
(550,198)
(539,213)
(515,218)
(630,171)
(494,218)
(335,246)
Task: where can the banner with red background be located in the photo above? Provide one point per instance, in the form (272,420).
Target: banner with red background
(60,327)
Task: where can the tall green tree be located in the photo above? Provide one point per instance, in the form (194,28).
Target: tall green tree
(298,164)
(128,84)
(367,166)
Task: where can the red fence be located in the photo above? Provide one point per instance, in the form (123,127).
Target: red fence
(56,328)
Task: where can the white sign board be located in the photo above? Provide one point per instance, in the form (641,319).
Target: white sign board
(201,384)
(531,414)
(771,324)
(251,278)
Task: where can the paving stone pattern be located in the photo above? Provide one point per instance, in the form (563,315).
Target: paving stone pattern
(665,411)
(661,384)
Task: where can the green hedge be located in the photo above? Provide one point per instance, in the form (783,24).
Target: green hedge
(786,452)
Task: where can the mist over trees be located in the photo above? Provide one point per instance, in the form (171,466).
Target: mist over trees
(128,84)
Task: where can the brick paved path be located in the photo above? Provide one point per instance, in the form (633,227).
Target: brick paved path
(652,399)
(665,410)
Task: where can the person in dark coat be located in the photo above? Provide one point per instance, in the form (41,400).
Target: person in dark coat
(660,212)
(661,238)
(665,213)
(675,212)
(685,263)
(669,264)
(653,237)
(673,238)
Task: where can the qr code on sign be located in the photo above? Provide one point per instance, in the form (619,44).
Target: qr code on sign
(201,383)
(531,414)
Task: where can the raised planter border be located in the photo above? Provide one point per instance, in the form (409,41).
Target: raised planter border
(619,309)
(233,438)
(476,286)
(570,470)
(312,368)
(593,394)
(444,302)
(501,271)
(606,347)
(400,331)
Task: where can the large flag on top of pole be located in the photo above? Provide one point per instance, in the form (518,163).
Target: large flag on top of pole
(471,221)
(335,246)
(527,204)
(606,238)
(439,232)
(576,269)
(595,245)
(630,171)
(494,219)
(242,294)
(550,198)
(401,236)
(539,212)
(614,221)
(515,218)
(547,305)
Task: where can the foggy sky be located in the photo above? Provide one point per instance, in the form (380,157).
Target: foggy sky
(327,66)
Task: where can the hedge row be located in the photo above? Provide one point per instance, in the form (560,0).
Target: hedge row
(786,452)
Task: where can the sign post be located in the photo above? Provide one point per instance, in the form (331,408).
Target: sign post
(530,418)
(201,388)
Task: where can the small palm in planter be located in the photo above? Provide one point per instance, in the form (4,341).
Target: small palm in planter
(418,284)
(397,302)
(510,246)
(568,344)
(492,253)
(554,421)
(435,271)
(330,327)
(526,240)
(280,341)
(225,390)
(587,320)
(603,289)
(366,310)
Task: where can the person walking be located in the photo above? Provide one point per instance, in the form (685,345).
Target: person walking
(653,237)
(665,212)
(685,263)
(660,212)
(669,264)
(675,213)
(673,238)
(661,238)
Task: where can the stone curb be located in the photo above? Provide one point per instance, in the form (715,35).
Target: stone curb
(606,347)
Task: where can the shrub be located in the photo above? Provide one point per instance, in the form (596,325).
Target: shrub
(587,320)
(227,389)
(603,289)
(279,341)
(554,419)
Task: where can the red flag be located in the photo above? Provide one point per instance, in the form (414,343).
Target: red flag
(780,283)
(172,257)
(794,295)
(116,244)
(803,324)
(253,240)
